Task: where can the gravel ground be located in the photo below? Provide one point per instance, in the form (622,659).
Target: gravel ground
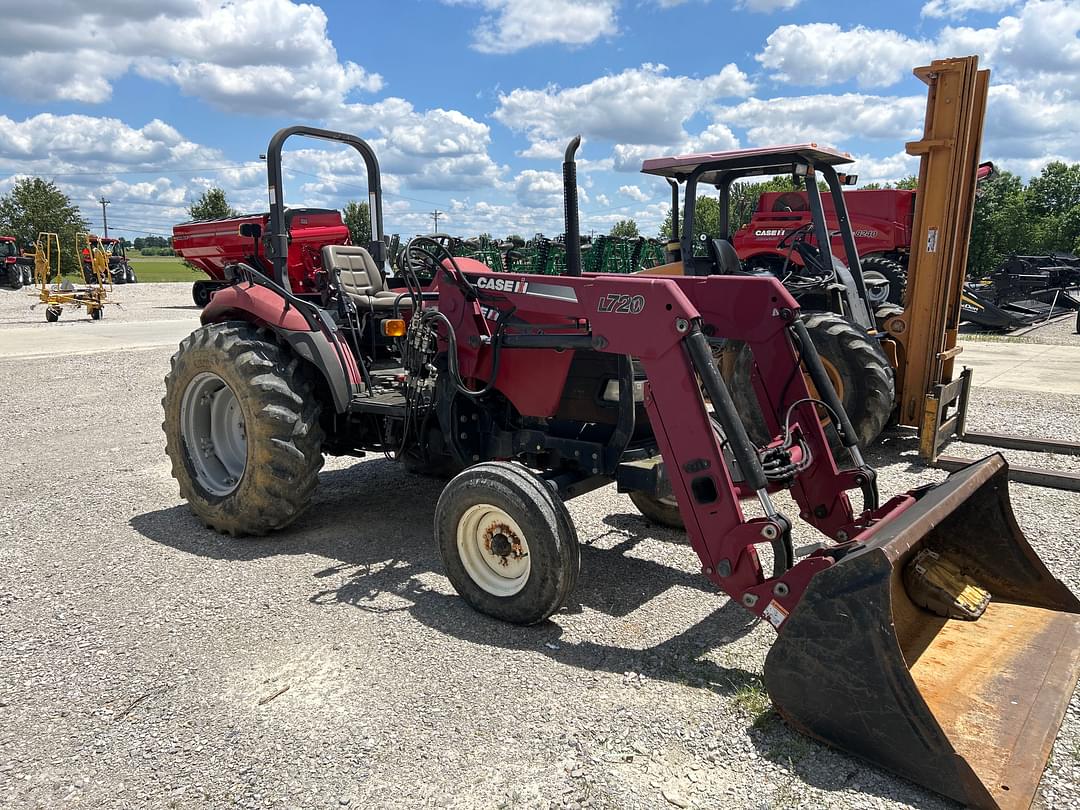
(147,662)
(133,302)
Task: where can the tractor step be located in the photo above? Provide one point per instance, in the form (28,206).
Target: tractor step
(385,399)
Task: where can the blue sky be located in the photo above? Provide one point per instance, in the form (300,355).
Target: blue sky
(470,102)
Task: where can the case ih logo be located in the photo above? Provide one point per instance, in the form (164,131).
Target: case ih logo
(769,232)
(510,285)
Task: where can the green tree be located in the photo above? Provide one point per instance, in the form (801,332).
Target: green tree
(1055,190)
(212,205)
(911,182)
(1000,225)
(625,228)
(744,199)
(357,217)
(34,205)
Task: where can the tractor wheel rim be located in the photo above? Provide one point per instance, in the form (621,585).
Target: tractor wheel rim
(877,286)
(214,433)
(493,550)
(837,384)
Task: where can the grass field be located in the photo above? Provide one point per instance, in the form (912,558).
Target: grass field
(164,269)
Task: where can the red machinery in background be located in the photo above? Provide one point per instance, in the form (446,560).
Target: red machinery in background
(211,245)
(880,221)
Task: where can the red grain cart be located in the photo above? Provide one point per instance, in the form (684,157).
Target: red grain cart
(210,245)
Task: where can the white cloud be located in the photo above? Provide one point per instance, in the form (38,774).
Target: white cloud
(955,9)
(819,54)
(254,56)
(827,119)
(884,169)
(48,144)
(1034,99)
(641,105)
(539,189)
(766,6)
(1040,44)
(434,149)
(634,193)
(513,25)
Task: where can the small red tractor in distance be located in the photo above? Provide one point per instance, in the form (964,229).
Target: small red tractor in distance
(120,269)
(213,245)
(922,632)
(16,270)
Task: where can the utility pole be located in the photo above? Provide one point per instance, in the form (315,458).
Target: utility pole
(104,217)
(435,216)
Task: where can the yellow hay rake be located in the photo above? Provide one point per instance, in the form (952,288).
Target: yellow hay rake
(56,292)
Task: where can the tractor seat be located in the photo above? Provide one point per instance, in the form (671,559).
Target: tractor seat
(725,257)
(360,278)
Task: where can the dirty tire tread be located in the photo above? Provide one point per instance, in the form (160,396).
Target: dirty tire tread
(869,381)
(544,513)
(284,451)
(870,387)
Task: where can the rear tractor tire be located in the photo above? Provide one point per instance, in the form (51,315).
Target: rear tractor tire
(241,429)
(857,366)
(507,542)
(663,511)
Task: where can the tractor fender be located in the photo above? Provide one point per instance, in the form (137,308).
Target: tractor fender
(265,308)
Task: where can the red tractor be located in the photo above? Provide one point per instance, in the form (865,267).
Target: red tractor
(16,270)
(530,390)
(120,270)
(213,245)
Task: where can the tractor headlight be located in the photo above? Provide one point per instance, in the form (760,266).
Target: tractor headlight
(611,391)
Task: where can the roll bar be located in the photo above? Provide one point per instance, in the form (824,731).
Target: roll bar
(276,243)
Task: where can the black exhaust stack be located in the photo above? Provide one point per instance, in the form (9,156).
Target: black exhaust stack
(570,209)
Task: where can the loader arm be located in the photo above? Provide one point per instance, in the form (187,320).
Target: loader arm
(874,655)
(667,323)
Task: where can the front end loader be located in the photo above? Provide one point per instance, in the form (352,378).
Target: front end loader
(921,633)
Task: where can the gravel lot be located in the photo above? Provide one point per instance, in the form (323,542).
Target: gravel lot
(147,662)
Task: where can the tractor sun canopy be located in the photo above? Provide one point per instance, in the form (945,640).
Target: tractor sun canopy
(746,162)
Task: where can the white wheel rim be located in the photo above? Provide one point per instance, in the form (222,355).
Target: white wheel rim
(212,425)
(878,287)
(493,550)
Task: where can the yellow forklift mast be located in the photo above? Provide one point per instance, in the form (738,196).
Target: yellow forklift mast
(930,396)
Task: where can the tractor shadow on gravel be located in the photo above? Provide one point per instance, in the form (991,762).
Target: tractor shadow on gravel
(386,563)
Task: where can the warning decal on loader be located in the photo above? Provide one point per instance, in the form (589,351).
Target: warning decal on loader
(775,613)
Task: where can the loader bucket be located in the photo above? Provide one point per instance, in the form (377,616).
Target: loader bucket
(969,709)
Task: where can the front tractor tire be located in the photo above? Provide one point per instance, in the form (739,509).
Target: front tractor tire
(507,542)
(241,429)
